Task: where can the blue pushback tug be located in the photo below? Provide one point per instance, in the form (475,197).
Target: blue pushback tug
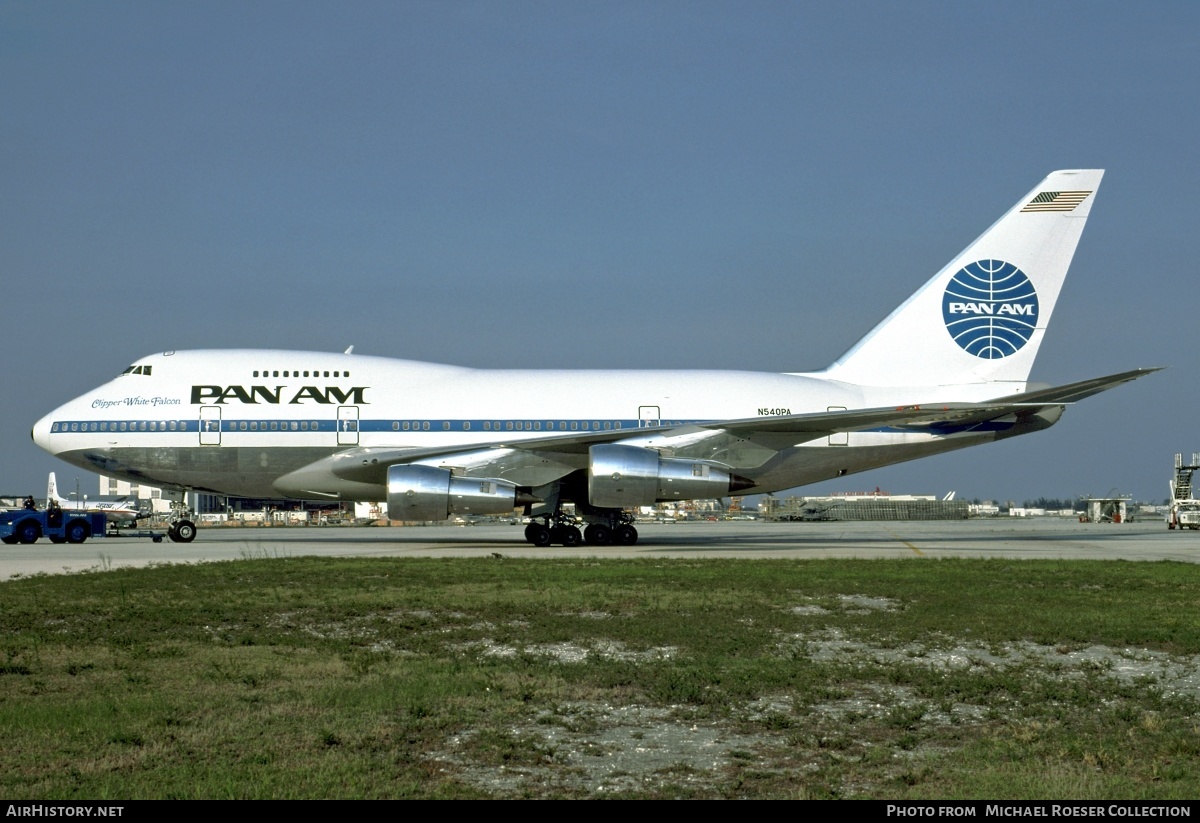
(60,525)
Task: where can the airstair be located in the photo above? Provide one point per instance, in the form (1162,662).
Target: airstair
(1181,488)
(1185,510)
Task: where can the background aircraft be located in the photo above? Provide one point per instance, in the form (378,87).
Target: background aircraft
(122,509)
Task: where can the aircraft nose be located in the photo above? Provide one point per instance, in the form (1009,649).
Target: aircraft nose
(44,433)
(41,433)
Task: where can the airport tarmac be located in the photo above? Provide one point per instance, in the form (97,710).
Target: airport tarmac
(1033,538)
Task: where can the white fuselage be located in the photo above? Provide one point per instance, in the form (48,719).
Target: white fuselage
(234,422)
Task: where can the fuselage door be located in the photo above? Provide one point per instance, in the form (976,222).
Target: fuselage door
(648,416)
(210,425)
(838,438)
(347,425)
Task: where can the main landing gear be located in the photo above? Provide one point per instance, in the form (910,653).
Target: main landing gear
(181,529)
(602,529)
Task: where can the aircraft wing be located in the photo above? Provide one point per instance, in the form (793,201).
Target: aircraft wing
(561,453)
(369,464)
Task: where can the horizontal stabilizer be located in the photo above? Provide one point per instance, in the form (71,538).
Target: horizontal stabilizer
(1074,392)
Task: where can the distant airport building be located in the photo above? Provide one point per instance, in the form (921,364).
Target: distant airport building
(874,505)
(1020,511)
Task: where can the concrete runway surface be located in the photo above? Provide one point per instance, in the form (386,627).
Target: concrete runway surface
(999,537)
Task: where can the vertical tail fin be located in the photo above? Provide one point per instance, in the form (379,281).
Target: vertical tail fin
(981,318)
(52,490)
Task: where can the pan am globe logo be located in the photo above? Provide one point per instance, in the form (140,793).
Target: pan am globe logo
(990,309)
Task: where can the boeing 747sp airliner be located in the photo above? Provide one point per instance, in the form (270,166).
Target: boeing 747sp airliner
(947,369)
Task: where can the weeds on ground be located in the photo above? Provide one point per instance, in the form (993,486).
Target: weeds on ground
(305,677)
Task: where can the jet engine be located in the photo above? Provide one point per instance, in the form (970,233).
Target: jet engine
(624,476)
(430,493)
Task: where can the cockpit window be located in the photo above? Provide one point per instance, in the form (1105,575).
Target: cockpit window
(138,370)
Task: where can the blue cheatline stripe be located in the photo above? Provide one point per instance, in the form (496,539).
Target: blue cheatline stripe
(489,426)
(290,426)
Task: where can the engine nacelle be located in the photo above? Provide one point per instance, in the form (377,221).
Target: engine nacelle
(624,476)
(430,493)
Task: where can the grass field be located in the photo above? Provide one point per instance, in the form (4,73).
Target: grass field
(301,677)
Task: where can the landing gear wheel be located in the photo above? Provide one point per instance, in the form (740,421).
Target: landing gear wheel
(598,534)
(538,535)
(185,531)
(625,535)
(570,536)
(76,532)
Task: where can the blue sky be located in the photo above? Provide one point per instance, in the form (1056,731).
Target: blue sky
(601,185)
